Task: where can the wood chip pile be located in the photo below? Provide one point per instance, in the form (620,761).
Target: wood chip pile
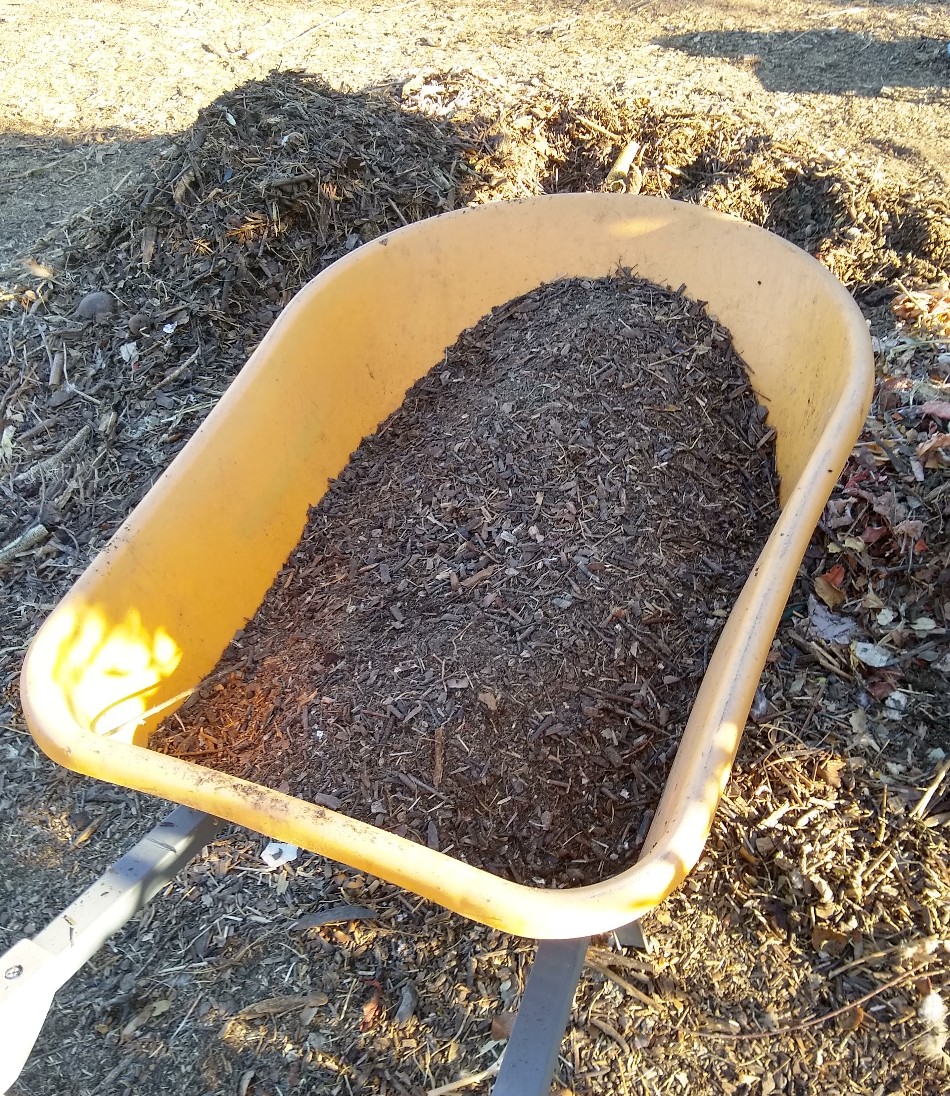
(866,226)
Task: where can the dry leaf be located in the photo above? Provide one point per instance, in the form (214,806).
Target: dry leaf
(871,654)
(936,409)
(830,771)
(911,528)
(881,688)
(835,575)
(280,1006)
(408,1000)
(489,699)
(830,627)
(138,1020)
(890,509)
(931,445)
(873,533)
(502,1024)
(372,1009)
(871,601)
(851,1020)
(827,941)
(828,593)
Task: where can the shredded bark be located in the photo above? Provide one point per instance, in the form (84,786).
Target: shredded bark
(492,631)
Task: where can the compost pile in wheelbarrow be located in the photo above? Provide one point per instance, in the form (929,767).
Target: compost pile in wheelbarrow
(773,932)
(491,634)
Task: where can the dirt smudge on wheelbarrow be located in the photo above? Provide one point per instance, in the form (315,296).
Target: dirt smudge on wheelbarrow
(492,632)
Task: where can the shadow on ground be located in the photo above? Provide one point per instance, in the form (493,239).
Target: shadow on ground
(44,180)
(826,61)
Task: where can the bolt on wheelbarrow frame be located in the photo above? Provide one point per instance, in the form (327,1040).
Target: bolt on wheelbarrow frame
(153,613)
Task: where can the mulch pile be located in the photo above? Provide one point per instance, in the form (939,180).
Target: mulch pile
(124,341)
(492,632)
(868,226)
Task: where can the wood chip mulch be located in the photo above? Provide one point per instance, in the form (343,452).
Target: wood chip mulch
(494,627)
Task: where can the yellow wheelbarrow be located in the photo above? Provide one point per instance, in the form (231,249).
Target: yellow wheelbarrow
(150,617)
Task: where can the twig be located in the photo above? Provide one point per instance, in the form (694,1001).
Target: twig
(609,958)
(254,54)
(632,991)
(931,790)
(623,167)
(598,129)
(55,459)
(57,368)
(815,1021)
(174,374)
(611,1032)
(819,654)
(289,180)
(34,170)
(22,543)
(466,1082)
(397,211)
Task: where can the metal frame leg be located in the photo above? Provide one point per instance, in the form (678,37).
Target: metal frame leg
(33,970)
(531,1055)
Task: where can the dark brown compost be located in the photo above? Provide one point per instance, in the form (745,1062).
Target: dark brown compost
(492,632)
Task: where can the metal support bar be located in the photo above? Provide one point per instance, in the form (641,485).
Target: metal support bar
(33,970)
(631,936)
(531,1054)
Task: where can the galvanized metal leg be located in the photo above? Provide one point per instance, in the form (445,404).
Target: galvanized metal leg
(33,970)
(631,936)
(531,1054)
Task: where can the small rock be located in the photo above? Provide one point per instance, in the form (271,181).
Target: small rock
(407,1004)
(96,306)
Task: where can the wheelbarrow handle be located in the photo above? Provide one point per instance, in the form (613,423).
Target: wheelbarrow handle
(34,969)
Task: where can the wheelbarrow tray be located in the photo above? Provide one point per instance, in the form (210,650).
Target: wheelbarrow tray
(155,610)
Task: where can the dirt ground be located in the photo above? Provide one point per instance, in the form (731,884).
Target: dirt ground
(88,92)
(825,879)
